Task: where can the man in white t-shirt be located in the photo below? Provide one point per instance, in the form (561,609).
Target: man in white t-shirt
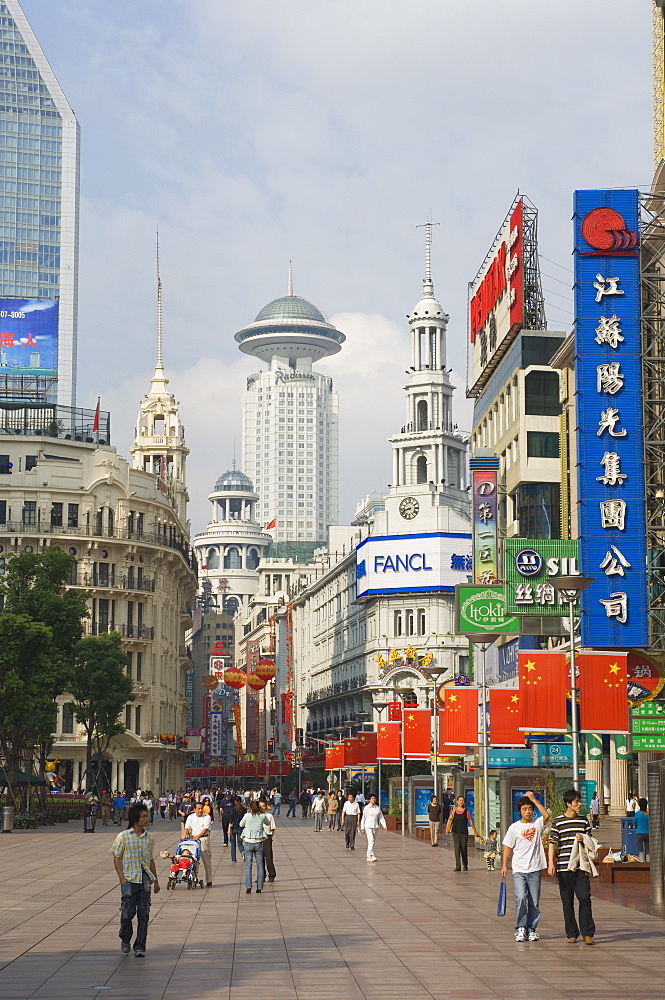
(350,821)
(318,809)
(197,826)
(524,842)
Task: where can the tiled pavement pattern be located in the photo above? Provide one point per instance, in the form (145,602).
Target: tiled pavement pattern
(332,927)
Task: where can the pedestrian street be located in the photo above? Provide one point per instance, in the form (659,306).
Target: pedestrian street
(330,926)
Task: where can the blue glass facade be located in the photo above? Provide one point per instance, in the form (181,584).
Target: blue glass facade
(30,172)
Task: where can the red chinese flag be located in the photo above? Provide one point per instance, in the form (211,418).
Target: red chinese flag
(602,683)
(417,732)
(350,752)
(335,757)
(446,749)
(388,741)
(505,718)
(543,688)
(460,716)
(367,748)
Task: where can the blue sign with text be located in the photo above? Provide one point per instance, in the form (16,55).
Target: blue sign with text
(520,757)
(612,522)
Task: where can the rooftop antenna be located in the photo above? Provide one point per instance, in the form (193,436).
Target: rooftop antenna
(289,287)
(160,361)
(427,226)
(234,454)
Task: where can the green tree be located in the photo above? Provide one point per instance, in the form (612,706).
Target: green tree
(25,670)
(35,589)
(100,688)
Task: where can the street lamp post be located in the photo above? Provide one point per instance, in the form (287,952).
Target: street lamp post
(484,640)
(362,717)
(379,706)
(433,673)
(569,588)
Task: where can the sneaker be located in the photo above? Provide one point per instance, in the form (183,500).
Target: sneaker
(139,953)
(208,884)
(534,936)
(520,934)
(371,859)
(124,948)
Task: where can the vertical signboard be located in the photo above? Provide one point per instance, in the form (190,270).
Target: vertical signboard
(612,522)
(485,483)
(215,726)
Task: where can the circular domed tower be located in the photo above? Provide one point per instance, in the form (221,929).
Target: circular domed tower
(290,423)
(230,550)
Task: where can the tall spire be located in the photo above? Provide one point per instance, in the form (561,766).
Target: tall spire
(289,287)
(428,285)
(160,361)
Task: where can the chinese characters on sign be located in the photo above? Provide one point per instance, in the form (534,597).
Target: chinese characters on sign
(609,418)
(484,477)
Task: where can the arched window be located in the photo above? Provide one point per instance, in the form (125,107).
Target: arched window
(212,559)
(252,559)
(421,414)
(421,469)
(232,559)
(231,605)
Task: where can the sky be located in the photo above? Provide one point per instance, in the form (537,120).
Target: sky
(258,132)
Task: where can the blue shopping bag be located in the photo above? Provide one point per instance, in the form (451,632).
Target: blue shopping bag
(501,905)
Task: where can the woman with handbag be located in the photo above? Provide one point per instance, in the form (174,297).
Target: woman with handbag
(459,821)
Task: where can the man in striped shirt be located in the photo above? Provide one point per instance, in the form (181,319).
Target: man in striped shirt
(565,830)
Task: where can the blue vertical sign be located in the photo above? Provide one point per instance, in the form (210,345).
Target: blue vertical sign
(610,456)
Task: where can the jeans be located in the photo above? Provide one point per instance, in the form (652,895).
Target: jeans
(254,852)
(235,839)
(318,822)
(527,897)
(434,832)
(643,845)
(227,820)
(461,843)
(573,884)
(291,811)
(117,815)
(134,902)
(267,858)
(277,808)
(332,821)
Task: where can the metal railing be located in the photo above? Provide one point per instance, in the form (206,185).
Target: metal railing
(126,631)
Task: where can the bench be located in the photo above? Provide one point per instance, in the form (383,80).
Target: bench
(625,873)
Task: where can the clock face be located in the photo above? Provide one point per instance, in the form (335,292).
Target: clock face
(409,507)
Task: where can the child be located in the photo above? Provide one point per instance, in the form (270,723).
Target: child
(491,850)
(181,863)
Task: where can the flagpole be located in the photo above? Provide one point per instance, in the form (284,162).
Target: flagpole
(484,640)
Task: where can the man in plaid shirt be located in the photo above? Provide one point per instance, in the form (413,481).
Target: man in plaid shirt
(132,852)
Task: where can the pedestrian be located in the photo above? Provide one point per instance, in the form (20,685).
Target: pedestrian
(372,819)
(163,803)
(173,809)
(332,808)
(459,821)
(133,859)
(197,827)
(208,809)
(340,805)
(434,817)
(524,843)
(276,802)
(351,821)
(632,805)
(305,802)
(119,803)
(226,804)
(318,809)
(595,811)
(254,826)
(268,843)
(446,806)
(492,847)
(184,810)
(233,831)
(565,831)
(105,806)
(641,822)
(293,798)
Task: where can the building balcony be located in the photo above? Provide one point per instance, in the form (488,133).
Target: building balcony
(143,632)
(93,581)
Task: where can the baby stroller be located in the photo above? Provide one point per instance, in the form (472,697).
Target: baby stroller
(189,874)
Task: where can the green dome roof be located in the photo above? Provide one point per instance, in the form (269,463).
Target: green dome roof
(290,307)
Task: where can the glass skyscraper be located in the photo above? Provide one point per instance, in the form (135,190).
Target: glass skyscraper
(39,198)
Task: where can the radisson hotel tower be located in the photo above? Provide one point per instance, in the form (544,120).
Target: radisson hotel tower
(290,424)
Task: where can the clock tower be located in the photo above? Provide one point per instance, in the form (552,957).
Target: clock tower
(430,462)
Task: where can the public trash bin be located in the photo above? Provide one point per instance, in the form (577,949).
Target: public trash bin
(629,837)
(89,821)
(7,819)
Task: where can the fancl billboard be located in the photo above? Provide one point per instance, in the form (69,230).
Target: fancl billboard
(396,564)
(610,458)
(28,336)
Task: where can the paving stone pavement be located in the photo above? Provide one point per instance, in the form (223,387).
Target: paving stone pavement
(330,926)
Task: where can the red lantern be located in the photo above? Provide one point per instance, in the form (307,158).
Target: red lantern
(234,677)
(266,669)
(255,682)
